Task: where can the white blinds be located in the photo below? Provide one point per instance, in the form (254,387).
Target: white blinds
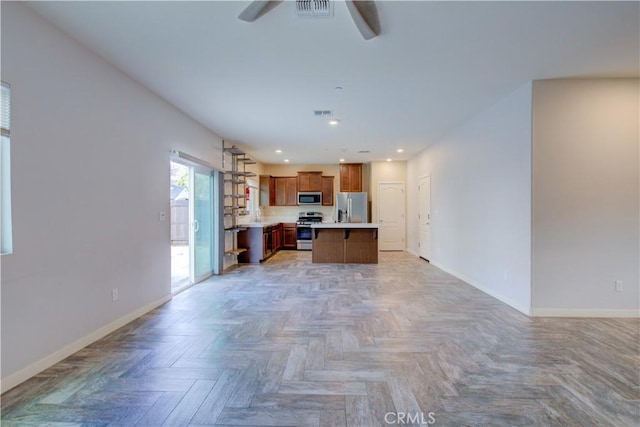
(5,110)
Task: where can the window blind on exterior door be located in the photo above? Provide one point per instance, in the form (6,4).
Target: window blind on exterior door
(6,236)
(5,109)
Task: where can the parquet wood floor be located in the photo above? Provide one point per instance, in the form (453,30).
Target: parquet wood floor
(290,343)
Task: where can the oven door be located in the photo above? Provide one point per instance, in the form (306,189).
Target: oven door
(303,237)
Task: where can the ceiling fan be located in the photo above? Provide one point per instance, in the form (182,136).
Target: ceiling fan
(364,12)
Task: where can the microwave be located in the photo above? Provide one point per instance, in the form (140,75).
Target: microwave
(310,198)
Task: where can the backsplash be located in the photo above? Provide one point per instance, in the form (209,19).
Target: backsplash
(288,213)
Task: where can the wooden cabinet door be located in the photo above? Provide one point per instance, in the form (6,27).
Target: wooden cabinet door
(286,191)
(272,191)
(351,177)
(291,191)
(280,191)
(327,191)
(290,238)
(303,181)
(315,181)
(276,238)
(266,249)
(309,181)
(267,190)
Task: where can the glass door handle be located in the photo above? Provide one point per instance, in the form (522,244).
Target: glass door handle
(196,226)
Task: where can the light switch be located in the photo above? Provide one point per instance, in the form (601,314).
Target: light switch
(161,216)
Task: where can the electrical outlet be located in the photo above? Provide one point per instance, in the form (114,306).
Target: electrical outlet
(619,286)
(114,294)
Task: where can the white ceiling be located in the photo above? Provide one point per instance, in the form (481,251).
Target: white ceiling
(435,65)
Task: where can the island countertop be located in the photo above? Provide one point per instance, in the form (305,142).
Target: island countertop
(347,225)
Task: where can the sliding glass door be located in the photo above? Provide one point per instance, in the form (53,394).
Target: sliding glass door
(202,226)
(196,251)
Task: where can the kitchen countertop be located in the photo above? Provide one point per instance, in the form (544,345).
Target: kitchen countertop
(346,225)
(258,224)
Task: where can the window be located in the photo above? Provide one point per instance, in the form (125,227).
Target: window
(6,238)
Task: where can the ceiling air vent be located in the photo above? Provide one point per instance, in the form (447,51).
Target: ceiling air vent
(314,8)
(363,151)
(322,113)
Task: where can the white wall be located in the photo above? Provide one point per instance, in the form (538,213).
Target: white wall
(90,174)
(585,197)
(481,200)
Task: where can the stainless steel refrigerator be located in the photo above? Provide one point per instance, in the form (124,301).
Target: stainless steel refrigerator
(351,207)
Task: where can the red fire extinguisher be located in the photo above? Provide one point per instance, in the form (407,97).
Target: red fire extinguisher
(247,192)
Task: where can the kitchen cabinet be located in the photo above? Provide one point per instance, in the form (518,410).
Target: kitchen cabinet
(286,191)
(267,190)
(289,236)
(345,244)
(266,243)
(327,191)
(276,237)
(260,242)
(351,177)
(309,181)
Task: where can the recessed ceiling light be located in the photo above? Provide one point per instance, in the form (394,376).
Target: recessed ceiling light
(334,122)
(278,151)
(286,160)
(400,150)
(388,160)
(342,160)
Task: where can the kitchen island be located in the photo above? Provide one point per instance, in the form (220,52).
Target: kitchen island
(345,243)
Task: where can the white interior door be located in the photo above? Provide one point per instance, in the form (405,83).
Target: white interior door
(424,217)
(391,216)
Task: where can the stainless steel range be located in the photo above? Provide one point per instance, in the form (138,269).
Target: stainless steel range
(303,233)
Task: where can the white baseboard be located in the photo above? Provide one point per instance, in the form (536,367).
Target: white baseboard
(545,312)
(24,374)
(584,312)
(508,301)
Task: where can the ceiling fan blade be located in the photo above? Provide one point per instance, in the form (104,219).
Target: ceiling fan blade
(365,16)
(258,8)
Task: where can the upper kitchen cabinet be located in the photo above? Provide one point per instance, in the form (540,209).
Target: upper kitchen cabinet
(267,190)
(351,177)
(286,190)
(309,181)
(327,191)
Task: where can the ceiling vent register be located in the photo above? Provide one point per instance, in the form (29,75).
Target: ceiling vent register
(314,8)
